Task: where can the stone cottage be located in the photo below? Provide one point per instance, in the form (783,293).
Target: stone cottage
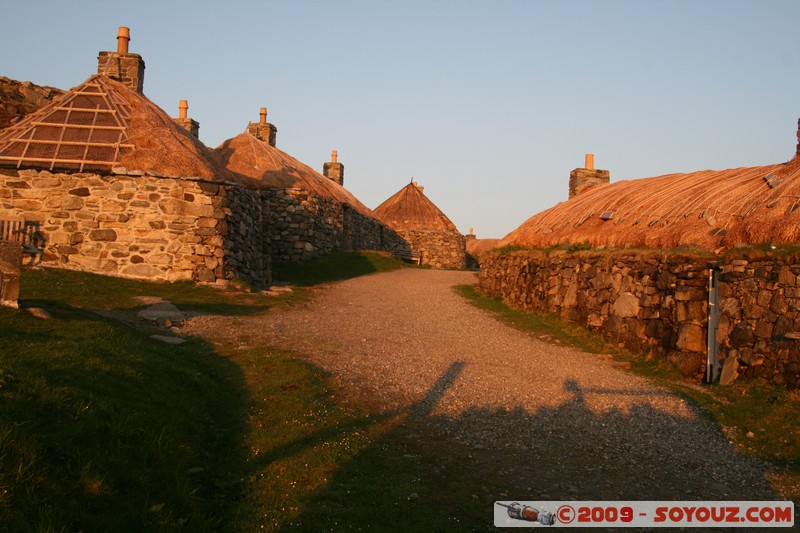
(686,270)
(114,186)
(309,214)
(424,227)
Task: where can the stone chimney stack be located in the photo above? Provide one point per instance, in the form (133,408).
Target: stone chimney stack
(192,126)
(334,170)
(581,179)
(262,130)
(121,65)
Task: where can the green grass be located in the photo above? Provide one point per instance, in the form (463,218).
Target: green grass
(91,291)
(336,266)
(104,429)
(101,426)
(769,413)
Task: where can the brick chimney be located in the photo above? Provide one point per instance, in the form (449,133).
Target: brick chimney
(121,65)
(262,130)
(334,170)
(581,179)
(183,120)
(471,234)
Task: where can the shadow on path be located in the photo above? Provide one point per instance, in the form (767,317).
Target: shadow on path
(409,475)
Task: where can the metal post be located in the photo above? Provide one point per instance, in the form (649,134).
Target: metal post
(713,366)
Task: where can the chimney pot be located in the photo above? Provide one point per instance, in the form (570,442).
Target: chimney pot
(262,116)
(183,108)
(123,38)
(333,170)
(589,162)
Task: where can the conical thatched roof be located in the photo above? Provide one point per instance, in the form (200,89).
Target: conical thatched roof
(708,209)
(409,208)
(259,164)
(102,124)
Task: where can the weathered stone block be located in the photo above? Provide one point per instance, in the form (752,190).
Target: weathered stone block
(763,329)
(206,275)
(692,338)
(142,271)
(741,336)
(627,305)
(694,312)
(72,203)
(786,277)
(103,235)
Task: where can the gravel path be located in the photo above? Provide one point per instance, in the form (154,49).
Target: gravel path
(562,423)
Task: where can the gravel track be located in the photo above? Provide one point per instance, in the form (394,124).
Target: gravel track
(560,423)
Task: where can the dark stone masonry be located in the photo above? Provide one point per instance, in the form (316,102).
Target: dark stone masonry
(657,303)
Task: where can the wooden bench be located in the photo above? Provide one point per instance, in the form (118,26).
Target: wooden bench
(409,255)
(25,232)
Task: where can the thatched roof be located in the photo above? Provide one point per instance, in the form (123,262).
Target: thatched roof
(478,247)
(102,124)
(409,208)
(259,164)
(708,209)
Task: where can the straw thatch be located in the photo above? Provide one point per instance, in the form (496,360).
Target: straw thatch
(261,165)
(707,209)
(409,208)
(102,124)
(478,247)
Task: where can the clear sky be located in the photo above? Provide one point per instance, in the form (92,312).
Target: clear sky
(487,103)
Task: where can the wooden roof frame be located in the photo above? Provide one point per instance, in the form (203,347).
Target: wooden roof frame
(92,116)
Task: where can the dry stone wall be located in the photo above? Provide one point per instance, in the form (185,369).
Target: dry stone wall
(439,249)
(303,226)
(141,226)
(658,303)
(365,233)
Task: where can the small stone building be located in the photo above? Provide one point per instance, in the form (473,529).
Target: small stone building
(309,214)
(676,276)
(424,227)
(116,187)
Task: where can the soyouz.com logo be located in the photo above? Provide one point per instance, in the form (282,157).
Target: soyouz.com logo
(758,514)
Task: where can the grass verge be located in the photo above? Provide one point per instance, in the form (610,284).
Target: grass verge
(760,419)
(336,266)
(54,287)
(105,429)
